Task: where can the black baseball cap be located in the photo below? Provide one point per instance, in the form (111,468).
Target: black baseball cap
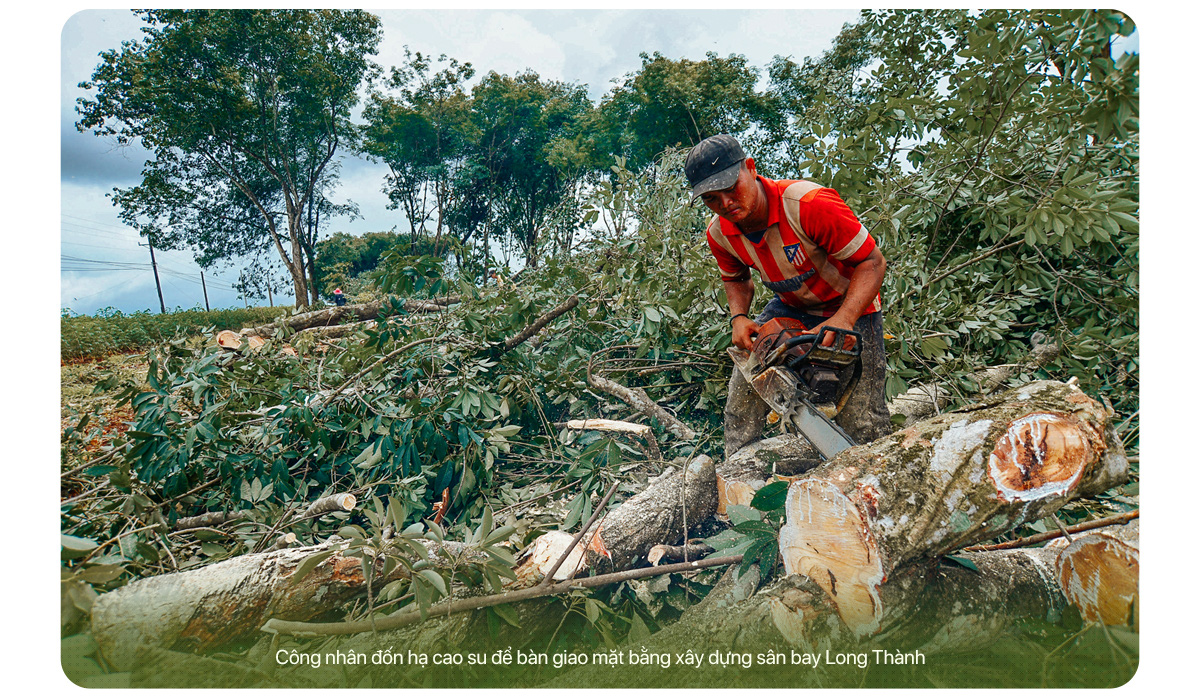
(713,164)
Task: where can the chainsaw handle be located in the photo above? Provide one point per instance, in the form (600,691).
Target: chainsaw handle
(838,344)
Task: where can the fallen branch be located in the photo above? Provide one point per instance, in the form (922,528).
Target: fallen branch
(519,338)
(334,394)
(640,430)
(1051,535)
(209,519)
(336,314)
(639,400)
(678,553)
(325,505)
(283,627)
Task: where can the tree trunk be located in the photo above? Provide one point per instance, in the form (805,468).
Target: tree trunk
(943,484)
(226,603)
(622,538)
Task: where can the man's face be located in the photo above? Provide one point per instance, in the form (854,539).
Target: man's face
(737,202)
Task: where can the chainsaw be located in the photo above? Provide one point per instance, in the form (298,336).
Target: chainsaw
(805,383)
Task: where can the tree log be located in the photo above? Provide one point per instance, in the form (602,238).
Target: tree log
(1099,572)
(942,484)
(227,602)
(356,312)
(661,513)
(753,465)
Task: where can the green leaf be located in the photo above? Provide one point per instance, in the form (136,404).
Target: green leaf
(755,528)
(309,564)
(770,497)
(435,580)
(506,612)
(738,513)
(100,574)
(79,544)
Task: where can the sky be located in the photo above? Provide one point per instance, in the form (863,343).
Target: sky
(105,264)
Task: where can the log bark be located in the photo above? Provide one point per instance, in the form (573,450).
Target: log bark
(924,400)
(226,603)
(212,518)
(942,484)
(662,513)
(753,465)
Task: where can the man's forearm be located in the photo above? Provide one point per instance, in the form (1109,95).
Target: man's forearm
(865,283)
(740,295)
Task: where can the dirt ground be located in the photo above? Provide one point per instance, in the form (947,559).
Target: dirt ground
(76,400)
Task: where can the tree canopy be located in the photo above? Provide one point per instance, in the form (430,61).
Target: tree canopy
(244,111)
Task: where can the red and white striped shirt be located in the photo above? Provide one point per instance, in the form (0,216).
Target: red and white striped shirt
(807,252)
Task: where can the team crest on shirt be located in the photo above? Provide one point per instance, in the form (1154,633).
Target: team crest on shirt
(795,254)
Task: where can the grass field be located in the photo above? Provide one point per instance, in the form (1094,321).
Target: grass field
(91,337)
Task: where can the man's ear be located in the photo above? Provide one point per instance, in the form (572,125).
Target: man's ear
(750,165)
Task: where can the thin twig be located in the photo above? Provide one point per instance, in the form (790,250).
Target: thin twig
(1050,535)
(575,541)
(400,620)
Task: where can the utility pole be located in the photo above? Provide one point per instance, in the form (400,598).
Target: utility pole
(157,283)
(203,286)
(269,299)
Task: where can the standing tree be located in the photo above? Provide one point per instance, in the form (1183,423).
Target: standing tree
(244,111)
(422,134)
(519,119)
(678,103)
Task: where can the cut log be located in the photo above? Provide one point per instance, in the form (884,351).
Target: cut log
(337,314)
(942,484)
(927,399)
(753,465)
(1098,573)
(326,505)
(228,339)
(661,513)
(227,602)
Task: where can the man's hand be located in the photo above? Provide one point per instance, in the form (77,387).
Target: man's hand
(744,330)
(836,323)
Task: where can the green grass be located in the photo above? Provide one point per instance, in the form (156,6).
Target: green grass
(111,331)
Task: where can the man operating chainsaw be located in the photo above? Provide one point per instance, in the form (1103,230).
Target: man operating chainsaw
(811,251)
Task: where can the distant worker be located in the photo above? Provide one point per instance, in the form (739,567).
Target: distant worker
(812,251)
(338,298)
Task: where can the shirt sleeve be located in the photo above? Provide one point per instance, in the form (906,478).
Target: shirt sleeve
(834,227)
(731,268)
